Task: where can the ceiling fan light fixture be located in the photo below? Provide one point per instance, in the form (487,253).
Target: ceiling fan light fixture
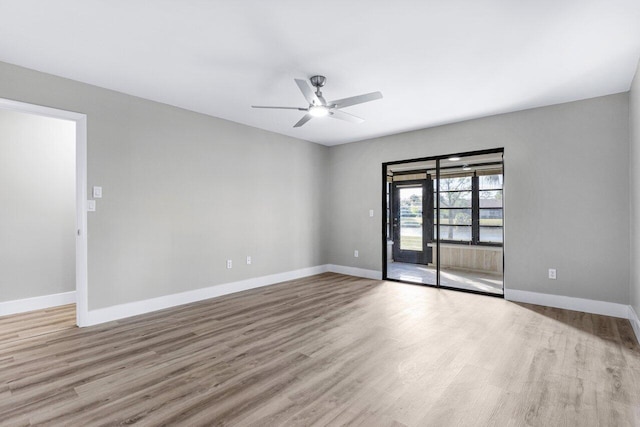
(318,110)
(454,158)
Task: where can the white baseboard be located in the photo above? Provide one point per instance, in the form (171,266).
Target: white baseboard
(36,303)
(121,311)
(354,271)
(635,322)
(568,303)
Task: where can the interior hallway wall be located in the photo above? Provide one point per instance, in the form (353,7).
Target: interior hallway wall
(37,205)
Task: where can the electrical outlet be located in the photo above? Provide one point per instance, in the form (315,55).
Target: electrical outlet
(97,192)
(355,253)
(91,205)
(229,263)
(248,260)
(552,273)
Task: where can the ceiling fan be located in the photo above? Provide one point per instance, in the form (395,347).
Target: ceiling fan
(319,107)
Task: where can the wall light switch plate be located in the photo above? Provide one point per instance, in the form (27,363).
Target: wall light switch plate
(91,205)
(371,213)
(552,274)
(356,254)
(248,260)
(97,192)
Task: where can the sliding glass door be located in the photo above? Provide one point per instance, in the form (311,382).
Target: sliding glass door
(444,224)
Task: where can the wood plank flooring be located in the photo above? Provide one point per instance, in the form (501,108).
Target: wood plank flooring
(324,350)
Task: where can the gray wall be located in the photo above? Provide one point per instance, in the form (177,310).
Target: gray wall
(183,192)
(566,194)
(634,175)
(37,206)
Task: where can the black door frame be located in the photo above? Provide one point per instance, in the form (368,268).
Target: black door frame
(385,217)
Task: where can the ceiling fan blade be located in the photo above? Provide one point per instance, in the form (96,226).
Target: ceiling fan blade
(308,93)
(303,120)
(353,100)
(337,114)
(279,108)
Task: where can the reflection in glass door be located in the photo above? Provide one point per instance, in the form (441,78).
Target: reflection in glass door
(445,221)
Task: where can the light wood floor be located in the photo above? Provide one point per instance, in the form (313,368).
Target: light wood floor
(449,277)
(325,350)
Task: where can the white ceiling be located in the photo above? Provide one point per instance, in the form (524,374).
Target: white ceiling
(435,62)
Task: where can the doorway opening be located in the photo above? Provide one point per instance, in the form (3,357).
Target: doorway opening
(38,200)
(444,222)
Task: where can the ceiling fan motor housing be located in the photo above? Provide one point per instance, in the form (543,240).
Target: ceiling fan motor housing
(318,81)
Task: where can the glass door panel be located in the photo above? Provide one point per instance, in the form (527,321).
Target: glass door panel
(471,223)
(410,236)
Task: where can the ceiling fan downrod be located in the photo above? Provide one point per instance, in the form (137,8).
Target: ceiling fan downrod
(318,82)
